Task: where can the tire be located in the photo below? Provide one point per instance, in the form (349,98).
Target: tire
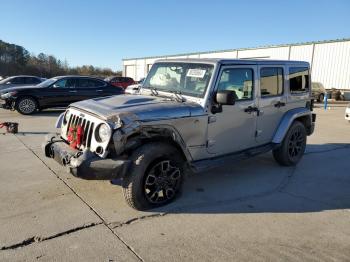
(320,98)
(26,105)
(293,146)
(155,176)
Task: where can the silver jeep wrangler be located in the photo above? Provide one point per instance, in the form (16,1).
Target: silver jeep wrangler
(189,114)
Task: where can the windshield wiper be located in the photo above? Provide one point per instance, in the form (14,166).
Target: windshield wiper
(178,95)
(153,90)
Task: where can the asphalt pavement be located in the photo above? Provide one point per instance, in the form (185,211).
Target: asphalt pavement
(254,210)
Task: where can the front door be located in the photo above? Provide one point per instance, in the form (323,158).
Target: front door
(234,128)
(272,102)
(61,93)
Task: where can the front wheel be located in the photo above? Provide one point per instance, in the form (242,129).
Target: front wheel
(293,146)
(26,105)
(155,176)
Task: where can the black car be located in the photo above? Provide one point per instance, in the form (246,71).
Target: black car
(22,80)
(56,92)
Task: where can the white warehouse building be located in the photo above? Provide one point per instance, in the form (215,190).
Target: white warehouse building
(329,60)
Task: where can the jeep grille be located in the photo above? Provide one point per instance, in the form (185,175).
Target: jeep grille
(88,128)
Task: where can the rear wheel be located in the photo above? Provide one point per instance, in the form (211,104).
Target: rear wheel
(155,176)
(293,146)
(26,105)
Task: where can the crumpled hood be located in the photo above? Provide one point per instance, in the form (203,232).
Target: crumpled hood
(146,108)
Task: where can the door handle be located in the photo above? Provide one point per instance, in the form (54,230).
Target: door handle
(279,104)
(251,109)
(99,90)
(72,91)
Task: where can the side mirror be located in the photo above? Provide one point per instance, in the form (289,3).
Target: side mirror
(226,97)
(55,86)
(8,83)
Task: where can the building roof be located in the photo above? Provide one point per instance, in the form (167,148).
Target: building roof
(225,61)
(241,49)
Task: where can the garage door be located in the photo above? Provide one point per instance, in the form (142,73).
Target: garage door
(130,71)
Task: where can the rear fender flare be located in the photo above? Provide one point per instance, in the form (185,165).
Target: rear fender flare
(287,120)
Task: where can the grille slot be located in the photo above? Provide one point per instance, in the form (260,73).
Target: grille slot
(87,126)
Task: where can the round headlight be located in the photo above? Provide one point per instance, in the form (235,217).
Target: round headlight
(104,133)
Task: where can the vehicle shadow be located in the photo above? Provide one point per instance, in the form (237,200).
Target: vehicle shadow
(32,133)
(259,185)
(50,112)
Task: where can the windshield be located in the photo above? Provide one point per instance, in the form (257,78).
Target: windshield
(5,80)
(47,82)
(184,78)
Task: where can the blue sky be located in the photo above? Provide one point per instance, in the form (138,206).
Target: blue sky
(103,32)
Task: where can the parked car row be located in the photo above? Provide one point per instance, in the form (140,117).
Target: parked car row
(120,81)
(22,80)
(318,91)
(55,92)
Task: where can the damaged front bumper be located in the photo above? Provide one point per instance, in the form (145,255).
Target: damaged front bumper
(6,104)
(84,164)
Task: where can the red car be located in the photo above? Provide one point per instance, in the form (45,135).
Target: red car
(120,81)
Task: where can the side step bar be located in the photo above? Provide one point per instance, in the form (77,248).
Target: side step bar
(205,164)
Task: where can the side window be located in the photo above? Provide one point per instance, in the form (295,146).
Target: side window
(61,83)
(31,80)
(36,80)
(271,81)
(239,80)
(89,83)
(17,81)
(97,83)
(83,83)
(70,83)
(298,80)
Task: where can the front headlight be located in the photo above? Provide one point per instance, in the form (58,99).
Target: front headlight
(8,95)
(103,133)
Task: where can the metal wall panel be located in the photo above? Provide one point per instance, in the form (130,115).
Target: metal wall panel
(232,55)
(140,69)
(193,56)
(301,53)
(178,56)
(265,53)
(130,71)
(331,65)
(330,61)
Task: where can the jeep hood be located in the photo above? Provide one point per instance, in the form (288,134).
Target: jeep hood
(146,108)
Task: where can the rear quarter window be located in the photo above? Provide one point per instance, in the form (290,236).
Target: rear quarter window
(299,80)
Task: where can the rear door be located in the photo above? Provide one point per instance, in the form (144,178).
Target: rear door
(271,101)
(104,89)
(88,88)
